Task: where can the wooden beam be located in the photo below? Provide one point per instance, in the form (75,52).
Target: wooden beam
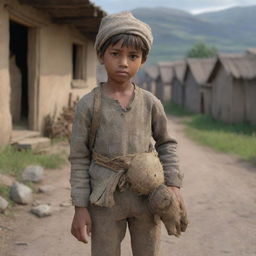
(88,25)
(90,35)
(66,8)
(78,21)
(56,2)
(49,4)
(72,13)
(89,28)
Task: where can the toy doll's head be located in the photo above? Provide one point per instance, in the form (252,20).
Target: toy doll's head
(126,28)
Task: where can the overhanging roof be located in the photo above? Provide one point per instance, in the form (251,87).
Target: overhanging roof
(152,72)
(179,70)
(239,66)
(200,68)
(166,71)
(83,14)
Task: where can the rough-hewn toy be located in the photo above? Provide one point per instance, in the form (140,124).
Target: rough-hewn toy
(163,203)
(145,173)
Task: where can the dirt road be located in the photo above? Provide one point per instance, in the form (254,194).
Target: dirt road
(219,190)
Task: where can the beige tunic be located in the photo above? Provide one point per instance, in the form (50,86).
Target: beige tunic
(121,132)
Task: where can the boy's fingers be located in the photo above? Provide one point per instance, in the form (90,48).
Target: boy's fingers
(89,228)
(81,235)
(178,229)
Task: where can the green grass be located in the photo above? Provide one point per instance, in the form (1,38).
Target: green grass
(13,161)
(4,192)
(176,110)
(238,139)
(58,140)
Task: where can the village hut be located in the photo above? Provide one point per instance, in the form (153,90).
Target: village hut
(151,74)
(47,58)
(251,51)
(177,94)
(140,80)
(197,94)
(163,81)
(233,82)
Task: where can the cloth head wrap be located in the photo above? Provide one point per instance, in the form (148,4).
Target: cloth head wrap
(122,23)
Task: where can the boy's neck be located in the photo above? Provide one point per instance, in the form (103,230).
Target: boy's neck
(118,87)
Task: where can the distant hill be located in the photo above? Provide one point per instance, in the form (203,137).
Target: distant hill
(240,16)
(175,31)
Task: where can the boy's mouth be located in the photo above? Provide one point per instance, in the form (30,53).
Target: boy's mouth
(124,73)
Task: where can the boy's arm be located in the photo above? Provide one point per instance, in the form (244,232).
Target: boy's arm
(80,157)
(166,147)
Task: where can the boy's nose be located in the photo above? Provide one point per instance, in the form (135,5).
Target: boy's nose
(123,62)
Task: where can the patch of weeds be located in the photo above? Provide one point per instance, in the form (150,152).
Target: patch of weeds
(13,161)
(238,139)
(176,110)
(5,193)
(58,140)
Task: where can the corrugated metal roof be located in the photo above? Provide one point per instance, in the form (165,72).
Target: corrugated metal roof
(240,66)
(166,71)
(200,68)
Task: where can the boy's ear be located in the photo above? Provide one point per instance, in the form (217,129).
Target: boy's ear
(143,61)
(100,58)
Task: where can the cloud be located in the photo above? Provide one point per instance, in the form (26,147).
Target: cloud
(210,9)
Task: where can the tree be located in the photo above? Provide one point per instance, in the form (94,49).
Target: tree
(201,50)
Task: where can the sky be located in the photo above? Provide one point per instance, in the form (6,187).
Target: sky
(193,6)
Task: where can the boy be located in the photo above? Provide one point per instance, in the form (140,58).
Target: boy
(130,117)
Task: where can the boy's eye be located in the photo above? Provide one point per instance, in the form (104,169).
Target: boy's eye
(114,53)
(134,57)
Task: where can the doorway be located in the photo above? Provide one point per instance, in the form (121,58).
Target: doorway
(19,75)
(202,108)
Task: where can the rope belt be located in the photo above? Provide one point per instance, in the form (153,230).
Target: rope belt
(116,163)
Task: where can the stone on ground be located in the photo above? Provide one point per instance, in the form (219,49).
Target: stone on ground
(3,204)
(34,173)
(21,193)
(42,210)
(33,143)
(46,188)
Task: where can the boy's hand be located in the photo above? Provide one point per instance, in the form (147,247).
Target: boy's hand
(81,225)
(184,218)
(176,191)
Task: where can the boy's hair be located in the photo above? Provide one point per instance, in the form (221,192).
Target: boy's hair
(128,40)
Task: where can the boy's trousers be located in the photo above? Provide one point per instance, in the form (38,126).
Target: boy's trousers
(109,226)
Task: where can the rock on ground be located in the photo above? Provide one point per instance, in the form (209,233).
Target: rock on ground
(42,210)
(21,193)
(46,188)
(34,173)
(3,204)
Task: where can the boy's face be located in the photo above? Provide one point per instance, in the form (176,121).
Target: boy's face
(121,63)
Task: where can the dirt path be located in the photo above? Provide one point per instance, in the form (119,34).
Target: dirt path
(219,190)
